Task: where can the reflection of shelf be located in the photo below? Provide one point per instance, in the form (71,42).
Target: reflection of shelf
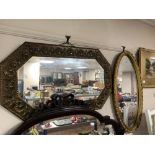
(86,95)
(28,98)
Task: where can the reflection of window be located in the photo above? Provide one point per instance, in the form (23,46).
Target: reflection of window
(46,80)
(54,75)
(99,76)
(67,76)
(59,75)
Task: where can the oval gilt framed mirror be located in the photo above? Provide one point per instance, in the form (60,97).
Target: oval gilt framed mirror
(54,75)
(127,92)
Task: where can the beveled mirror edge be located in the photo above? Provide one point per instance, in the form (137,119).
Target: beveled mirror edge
(8,73)
(139,89)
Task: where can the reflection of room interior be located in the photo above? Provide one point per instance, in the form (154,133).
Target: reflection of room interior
(127,88)
(40,78)
(70,125)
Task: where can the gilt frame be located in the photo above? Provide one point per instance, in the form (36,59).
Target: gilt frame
(139,92)
(143,55)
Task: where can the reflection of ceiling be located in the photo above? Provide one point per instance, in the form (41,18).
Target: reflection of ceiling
(150,22)
(62,63)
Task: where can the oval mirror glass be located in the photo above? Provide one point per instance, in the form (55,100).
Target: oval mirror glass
(127,92)
(42,79)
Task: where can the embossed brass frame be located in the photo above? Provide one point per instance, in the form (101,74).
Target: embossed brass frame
(139,92)
(9,97)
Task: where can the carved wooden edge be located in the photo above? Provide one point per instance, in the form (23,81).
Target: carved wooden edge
(8,73)
(139,89)
(67,111)
(0,79)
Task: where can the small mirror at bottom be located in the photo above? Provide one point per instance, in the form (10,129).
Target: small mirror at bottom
(70,125)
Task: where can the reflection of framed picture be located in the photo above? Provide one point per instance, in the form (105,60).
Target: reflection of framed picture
(147,67)
(59,75)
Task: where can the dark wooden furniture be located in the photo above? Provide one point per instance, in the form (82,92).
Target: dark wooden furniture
(66,111)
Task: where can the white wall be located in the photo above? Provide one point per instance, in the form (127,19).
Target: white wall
(90,74)
(8,121)
(126,82)
(44,71)
(113,33)
(31,75)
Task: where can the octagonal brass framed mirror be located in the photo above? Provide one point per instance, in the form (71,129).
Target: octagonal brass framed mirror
(127,92)
(37,72)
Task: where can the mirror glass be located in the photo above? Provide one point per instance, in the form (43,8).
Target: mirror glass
(127,91)
(70,125)
(40,78)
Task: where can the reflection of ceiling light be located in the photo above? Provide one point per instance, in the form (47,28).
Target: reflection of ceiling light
(119,79)
(82,67)
(152,58)
(67,68)
(46,61)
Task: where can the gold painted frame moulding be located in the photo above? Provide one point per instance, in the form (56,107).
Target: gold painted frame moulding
(9,97)
(139,90)
(144,54)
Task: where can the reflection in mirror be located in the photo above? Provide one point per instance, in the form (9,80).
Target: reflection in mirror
(43,78)
(70,125)
(127,91)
